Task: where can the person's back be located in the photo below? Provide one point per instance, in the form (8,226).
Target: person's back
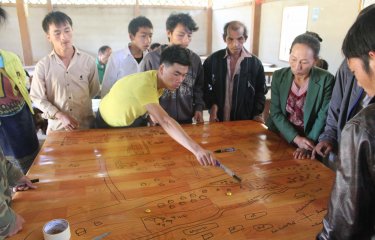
(124,103)
(186,102)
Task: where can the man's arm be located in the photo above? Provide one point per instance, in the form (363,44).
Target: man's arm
(198,89)
(260,91)
(174,130)
(94,85)
(38,92)
(209,90)
(330,130)
(328,139)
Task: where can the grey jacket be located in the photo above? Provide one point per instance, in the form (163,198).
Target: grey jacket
(351,210)
(188,98)
(343,105)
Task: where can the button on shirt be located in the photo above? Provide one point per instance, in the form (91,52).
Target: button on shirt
(120,64)
(70,90)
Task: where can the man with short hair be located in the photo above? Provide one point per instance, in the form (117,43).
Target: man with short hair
(128,60)
(135,95)
(351,210)
(235,83)
(186,102)
(66,80)
(101,61)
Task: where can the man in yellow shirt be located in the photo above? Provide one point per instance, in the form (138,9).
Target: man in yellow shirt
(135,95)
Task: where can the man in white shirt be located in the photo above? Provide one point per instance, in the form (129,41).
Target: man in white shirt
(66,80)
(128,61)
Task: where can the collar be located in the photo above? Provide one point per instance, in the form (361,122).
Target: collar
(244,53)
(76,51)
(128,53)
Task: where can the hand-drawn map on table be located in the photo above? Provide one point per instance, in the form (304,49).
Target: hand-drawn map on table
(139,184)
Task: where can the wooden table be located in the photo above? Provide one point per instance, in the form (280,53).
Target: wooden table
(139,184)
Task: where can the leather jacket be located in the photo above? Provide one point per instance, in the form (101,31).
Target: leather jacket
(351,210)
(249,87)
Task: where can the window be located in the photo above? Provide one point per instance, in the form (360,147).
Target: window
(294,23)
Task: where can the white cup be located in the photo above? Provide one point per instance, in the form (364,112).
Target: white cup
(56,229)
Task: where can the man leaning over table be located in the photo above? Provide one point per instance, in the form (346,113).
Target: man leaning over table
(135,95)
(66,80)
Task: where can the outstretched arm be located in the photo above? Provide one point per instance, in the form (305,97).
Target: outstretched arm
(174,130)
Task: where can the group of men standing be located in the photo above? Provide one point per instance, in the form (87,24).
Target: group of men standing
(231,83)
(176,89)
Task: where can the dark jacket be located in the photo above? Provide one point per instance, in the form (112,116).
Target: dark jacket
(346,96)
(249,87)
(351,210)
(188,98)
(314,110)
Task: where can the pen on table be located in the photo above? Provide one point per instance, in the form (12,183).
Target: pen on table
(35,180)
(231,149)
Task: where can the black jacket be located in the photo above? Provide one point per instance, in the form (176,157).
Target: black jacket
(249,87)
(351,211)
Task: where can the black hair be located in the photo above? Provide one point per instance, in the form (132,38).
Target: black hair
(137,23)
(314,34)
(3,15)
(234,25)
(321,63)
(360,39)
(175,54)
(182,18)
(154,46)
(308,40)
(56,18)
(102,49)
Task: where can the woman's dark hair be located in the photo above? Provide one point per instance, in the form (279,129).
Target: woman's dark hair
(314,34)
(175,54)
(360,39)
(56,18)
(308,40)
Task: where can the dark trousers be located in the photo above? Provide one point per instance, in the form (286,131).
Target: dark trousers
(139,122)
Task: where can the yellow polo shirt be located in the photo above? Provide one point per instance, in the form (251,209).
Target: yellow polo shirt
(126,100)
